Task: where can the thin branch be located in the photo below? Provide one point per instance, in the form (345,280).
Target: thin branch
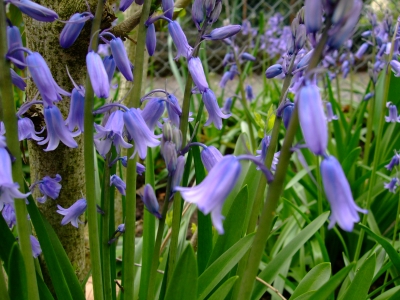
(271,287)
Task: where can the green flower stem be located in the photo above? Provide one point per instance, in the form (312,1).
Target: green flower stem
(339,96)
(105,228)
(157,246)
(128,272)
(94,241)
(3,286)
(7,107)
(370,121)
(320,195)
(377,153)
(275,190)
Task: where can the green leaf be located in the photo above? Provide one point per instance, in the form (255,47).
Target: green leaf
(350,159)
(17,283)
(358,288)
(217,270)
(393,254)
(328,288)
(314,279)
(224,289)
(393,292)
(272,269)
(233,226)
(183,284)
(305,296)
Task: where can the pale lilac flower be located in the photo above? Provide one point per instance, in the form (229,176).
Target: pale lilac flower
(393,115)
(361,51)
(368,96)
(35,11)
(109,66)
(249,93)
(36,250)
(98,75)
(198,12)
(118,183)
(247,57)
(262,153)
(273,71)
(197,72)
(14,41)
(215,114)
(210,194)
(215,13)
(178,174)
(168,8)
(150,201)
(26,130)
(222,32)
(153,111)
(312,119)
(76,110)
(329,112)
(395,67)
(8,213)
(228,58)
(313,15)
(139,132)
(49,187)
(121,58)
(225,78)
(17,80)
(246,27)
(56,130)
(170,156)
(73,28)
(392,185)
(73,213)
(338,192)
(173,109)
(210,156)
(139,167)
(395,161)
(180,40)
(226,109)
(151,40)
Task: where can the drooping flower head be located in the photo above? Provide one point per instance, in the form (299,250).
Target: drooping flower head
(98,75)
(393,115)
(49,187)
(223,32)
(76,110)
(197,72)
(210,156)
(180,40)
(35,11)
(118,183)
(393,162)
(17,80)
(36,250)
(121,58)
(8,213)
(215,115)
(150,201)
(26,130)
(153,111)
(73,28)
(73,213)
(151,39)
(392,185)
(329,113)
(14,41)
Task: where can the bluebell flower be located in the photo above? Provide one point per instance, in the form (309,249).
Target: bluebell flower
(36,250)
(124,4)
(312,119)
(35,11)
(73,28)
(150,201)
(313,15)
(151,40)
(170,156)
(168,8)
(249,93)
(109,66)
(153,111)
(210,156)
(120,230)
(225,78)
(262,153)
(76,110)
(247,57)
(121,58)
(287,115)
(273,71)
(111,133)
(338,192)
(49,187)
(2,129)
(368,96)
(180,40)
(305,60)
(118,183)
(173,109)
(395,67)
(393,115)
(8,213)
(198,13)
(228,58)
(392,185)
(26,130)
(56,130)
(98,75)
(17,80)
(139,132)
(301,36)
(222,32)
(9,188)
(14,41)
(395,161)
(178,174)
(361,51)
(197,72)
(73,213)
(246,27)
(210,194)
(139,167)
(329,112)
(44,81)
(226,109)
(215,13)
(215,114)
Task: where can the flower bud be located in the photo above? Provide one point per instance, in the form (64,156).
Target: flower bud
(215,13)
(17,80)
(197,72)
(170,156)
(180,40)
(209,6)
(151,39)
(361,51)
(124,4)
(168,8)
(222,32)
(247,56)
(76,110)
(210,156)
(313,15)
(118,183)
(35,11)
(98,75)
(150,201)
(14,41)
(300,37)
(198,13)
(71,30)
(273,71)
(109,66)
(287,115)
(153,111)
(121,58)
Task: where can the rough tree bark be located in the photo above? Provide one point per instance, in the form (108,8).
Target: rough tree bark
(44,38)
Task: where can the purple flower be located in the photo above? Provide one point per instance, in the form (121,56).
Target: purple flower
(312,119)
(198,12)
(139,132)
(173,109)
(222,32)
(2,130)
(210,156)
(287,115)
(49,187)
(124,4)
(264,148)
(8,213)
(361,51)
(197,72)
(73,28)
(393,116)
(170,156)
(72,213)
(392,185)
(249,93)
(26,130)
(111,133)
(215,114)
(313,15)
(177,176)
(300,37)
(393,162)
(139,167)
(180,40)
(41,75)
(210,194)
(121,58)
(150,201)
(8,188)
(329,112)
(151,40)
(98,75)
(209,6)
(17,80)
(368,96)
(226,109)
(76,110)
(35,11)
(109,66)
(215,13)
(14,41)
(273,71)
(225,78)
(168,8)
(36,250)
(153,111)
(118,183)
(56,130)
(338,193)
(395,67)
